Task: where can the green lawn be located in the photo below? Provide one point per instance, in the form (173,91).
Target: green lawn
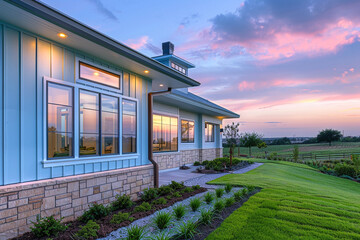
(296,202)
(316,148)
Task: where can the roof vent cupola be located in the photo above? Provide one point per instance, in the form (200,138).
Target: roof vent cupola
(168,48)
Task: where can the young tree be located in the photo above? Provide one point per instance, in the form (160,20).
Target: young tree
(262,145)
(329,135)
(296,153)
(232,134)
(251,140)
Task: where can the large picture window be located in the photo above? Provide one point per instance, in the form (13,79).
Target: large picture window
(94,128)
(165,133)
(187,131)
(94,74)
(209,132)
(59,121)
(129,126)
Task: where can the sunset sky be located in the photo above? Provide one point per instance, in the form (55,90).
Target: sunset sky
(288,67)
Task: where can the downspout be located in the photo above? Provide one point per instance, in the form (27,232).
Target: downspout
(150,134)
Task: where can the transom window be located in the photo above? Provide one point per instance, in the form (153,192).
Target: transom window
(178,68)
(97,75)
(209,132)
(165,133)
(187,131)
(59,121)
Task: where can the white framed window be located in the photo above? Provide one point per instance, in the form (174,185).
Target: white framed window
(187,131)
(165,133)
(84,124)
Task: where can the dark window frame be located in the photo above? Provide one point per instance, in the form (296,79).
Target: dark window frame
(122,126)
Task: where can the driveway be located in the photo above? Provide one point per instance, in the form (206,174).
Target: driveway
(190,178)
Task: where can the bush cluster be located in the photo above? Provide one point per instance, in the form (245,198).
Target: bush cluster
(48,226)
(88,231)
(96,211)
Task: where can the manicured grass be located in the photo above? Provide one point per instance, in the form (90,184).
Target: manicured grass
(295,203)
(316,148)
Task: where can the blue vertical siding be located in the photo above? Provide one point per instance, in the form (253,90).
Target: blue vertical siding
(28,108)
(12,106)
(1,105)
(25,59)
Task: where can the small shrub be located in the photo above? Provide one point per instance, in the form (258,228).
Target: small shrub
(195,203)
(197,163)
(48,226)
(149,194)
(228,188)
(187,230)
(244,191)
(96,211)
(145,206)
(164,190)
(175,185)
(238,196)
(161,236)
(162,220)
(122,202)
(135,233)
(219,192)
(345,169)
(208,197)
(188,190)
(250,188)
(229,201)
(160,201)
(219,205)
(176,195)
(121,217)
(196,187)
(88,231)
(206,216)
(179,211)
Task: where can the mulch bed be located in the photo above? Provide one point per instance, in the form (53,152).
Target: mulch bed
(234,168)
(105,226)
(205,230)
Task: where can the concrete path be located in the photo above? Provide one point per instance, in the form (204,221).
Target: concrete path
(189,178)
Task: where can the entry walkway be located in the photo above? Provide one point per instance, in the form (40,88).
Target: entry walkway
(189,178)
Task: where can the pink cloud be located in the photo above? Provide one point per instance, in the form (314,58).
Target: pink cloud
(244,85)
(138,43)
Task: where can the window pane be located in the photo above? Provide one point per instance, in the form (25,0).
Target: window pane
(165,133)
(156,136)
(165,120)
(98,75)
(59,118)
(109,123)
(156,118)
(89,100)
(129,126)
(59,145)
(184,131)
(89,121)
(109,104)
(166,137)
(59,94)
(174,121)
(174,138)
(191,131)
(89,144)
(110,144)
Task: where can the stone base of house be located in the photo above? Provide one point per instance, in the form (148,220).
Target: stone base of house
(66,197)
(176,159)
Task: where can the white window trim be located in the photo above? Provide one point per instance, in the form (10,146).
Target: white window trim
(94,84)
(214,133)
(76,131)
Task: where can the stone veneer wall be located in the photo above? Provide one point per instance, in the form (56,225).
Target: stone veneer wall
(176,159)
(66,197)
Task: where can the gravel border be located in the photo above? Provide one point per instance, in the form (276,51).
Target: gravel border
(151,229)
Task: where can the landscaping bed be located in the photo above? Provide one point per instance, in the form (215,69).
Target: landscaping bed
(100,217)
(221,165)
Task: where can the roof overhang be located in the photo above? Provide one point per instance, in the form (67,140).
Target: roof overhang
(177,99)
(44,21)
(176,59)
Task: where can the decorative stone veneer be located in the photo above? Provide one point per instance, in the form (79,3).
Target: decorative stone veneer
(176,159)
(66,197)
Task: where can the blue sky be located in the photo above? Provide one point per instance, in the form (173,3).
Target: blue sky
(288,67)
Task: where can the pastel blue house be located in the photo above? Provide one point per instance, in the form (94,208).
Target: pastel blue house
(84,117)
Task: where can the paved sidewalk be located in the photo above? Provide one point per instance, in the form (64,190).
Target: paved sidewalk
(189,178)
